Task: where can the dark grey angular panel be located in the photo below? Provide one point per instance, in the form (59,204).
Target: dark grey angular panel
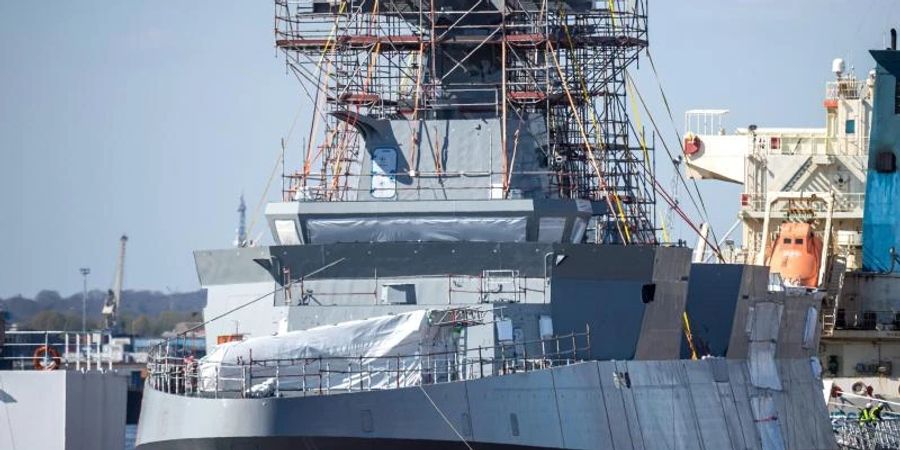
(712,298)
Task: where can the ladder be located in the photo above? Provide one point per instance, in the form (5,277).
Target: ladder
(500,286)
(832,300)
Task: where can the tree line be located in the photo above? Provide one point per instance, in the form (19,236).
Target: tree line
(142,313)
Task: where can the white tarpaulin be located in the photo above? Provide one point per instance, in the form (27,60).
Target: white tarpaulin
(375,353)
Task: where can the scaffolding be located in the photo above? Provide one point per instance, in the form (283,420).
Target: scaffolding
(414,60)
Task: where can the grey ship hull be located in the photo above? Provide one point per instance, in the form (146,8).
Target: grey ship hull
(666,404)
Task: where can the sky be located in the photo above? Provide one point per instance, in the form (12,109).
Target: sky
(152,118)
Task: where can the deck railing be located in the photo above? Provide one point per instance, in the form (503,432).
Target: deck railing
(843,203)
(884,434)
(172,371)
(52,350)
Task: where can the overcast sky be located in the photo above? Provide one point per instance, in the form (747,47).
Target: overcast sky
(150,118)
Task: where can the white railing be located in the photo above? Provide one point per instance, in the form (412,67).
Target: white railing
(172,371)
(883,434)
(52,350)
(850,89)
(803,144)
(843,203)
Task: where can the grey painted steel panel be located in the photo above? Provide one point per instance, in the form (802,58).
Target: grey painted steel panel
(803,407)
(731,416)
(790,336)
(393,259)
(529,396)
(661,331)
(668,405)
(629,410)
(754,288)
(709,407)
(663,405)
(613,309)
(739,380)
(619,425)
(231,266)
(583,414)
(62,410)
(712,301)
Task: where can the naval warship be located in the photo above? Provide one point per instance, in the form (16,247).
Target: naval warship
(468,258)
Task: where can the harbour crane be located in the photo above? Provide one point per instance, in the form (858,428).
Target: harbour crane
(114,295)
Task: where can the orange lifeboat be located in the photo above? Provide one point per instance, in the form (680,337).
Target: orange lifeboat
(796,254)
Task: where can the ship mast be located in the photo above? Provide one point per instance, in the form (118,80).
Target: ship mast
(548,80)
(241,238)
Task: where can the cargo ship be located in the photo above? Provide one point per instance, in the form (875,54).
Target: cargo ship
(819,208)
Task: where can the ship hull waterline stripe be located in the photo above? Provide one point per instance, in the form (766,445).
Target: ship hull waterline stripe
(323,443)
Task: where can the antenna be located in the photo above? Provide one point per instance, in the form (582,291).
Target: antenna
(241,240)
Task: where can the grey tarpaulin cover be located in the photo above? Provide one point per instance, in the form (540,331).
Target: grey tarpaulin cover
(765,322)
(395,229)
(765,414)
(367,354)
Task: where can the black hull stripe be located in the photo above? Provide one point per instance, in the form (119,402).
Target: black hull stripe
(322,443)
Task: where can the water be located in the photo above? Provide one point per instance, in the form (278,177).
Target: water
(130,435)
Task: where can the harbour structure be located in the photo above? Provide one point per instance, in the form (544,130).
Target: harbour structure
(472,166)
(58,392)
(836,184)
(71,383)
(113,300)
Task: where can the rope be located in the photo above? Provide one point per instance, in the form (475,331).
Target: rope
(850,394)
(593,116)
(239,307)
(700,207)
(590,150)
(460,436)
(702,204)
(320,88)
(265,193)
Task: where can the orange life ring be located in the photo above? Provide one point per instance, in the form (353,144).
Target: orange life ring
(692,144)
(41,355)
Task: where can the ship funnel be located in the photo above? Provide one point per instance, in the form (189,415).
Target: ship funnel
(893,39)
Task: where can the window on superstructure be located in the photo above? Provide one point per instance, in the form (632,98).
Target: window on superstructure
(850,126)
(798,241)
(787,240)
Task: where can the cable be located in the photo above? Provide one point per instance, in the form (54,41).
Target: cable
(239,307)
(265,193)
(460,436)
(665,100)
(700,207)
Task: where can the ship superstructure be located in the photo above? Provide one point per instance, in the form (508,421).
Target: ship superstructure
(459,101)
(474,218)
(820,181)
(811,175)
